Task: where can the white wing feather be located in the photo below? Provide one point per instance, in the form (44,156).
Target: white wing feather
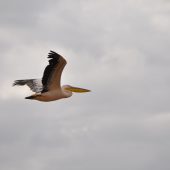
(34,84)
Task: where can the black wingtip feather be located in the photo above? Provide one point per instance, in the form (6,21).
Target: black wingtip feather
(19,82)
(53,55)
(54,59)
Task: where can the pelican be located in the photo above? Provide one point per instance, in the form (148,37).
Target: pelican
(48,88)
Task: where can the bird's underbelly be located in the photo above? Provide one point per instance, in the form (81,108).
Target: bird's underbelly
(49,96)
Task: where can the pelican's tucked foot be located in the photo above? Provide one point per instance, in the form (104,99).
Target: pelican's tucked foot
(30,97)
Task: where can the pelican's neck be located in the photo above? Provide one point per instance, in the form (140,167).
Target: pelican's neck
(65,92)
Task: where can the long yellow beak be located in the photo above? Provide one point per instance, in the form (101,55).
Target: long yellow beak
(77,89)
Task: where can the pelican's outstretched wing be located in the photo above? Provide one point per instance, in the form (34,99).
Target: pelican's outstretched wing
(52,73)
(34,84)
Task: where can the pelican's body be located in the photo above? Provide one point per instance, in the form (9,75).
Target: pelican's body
(48,88)
(51,95)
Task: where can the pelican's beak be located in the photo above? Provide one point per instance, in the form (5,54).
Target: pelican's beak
(77,89)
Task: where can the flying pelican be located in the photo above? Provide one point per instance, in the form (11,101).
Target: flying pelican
(48,88)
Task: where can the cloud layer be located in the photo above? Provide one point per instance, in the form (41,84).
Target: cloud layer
(119,50)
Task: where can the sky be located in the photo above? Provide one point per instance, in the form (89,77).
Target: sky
(117,49)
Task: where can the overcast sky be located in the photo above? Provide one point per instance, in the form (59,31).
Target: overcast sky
(119,50)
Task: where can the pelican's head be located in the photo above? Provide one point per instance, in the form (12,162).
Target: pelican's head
(69,89)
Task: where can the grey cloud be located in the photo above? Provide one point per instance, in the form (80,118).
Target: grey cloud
(119,50)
